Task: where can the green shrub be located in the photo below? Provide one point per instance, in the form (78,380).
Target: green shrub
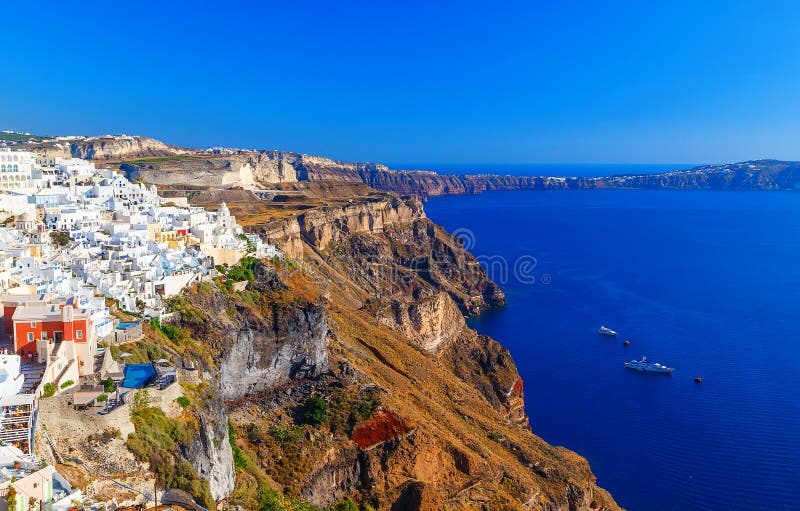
(345,505)
(48,390)
(348,408)
(183,401)
(109,386)
(244,270)
(269,500)
(11,497)
(315,411)
(102,398)
(141,402)
(239,459)
(159,441)
(172,332)
(68,383)
(59,238)
(289,433)
(497,437)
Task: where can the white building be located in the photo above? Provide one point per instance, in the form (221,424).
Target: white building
(77,168)
(16,169)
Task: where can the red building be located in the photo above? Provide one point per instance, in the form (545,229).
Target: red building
(34,321)
(10,304)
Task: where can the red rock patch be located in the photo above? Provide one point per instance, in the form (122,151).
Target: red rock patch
(382,426)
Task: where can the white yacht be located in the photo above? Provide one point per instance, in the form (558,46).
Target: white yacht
(604,330)
(645,365)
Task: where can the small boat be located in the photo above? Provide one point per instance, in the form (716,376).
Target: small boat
(698,380)
(645,365)
(626,343)
(604,330)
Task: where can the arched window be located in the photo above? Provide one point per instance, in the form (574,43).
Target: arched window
(2,168)
(16,168)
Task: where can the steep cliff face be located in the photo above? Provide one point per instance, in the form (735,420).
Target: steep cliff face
(322,227)
(389,249)
(210,451)
(263,355)
(119,148)
(414,261)
(246,169)
(266,337)
(422,412)
(432,323)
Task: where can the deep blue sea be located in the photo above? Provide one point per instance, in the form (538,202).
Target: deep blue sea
(707,282)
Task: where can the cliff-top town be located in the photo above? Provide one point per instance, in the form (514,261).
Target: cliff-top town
(78,243)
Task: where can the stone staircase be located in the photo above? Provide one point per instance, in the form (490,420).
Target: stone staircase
(62,373)
(33,372)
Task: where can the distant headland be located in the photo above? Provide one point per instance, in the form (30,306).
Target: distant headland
(160,163)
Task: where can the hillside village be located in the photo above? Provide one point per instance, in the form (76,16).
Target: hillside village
(77,244)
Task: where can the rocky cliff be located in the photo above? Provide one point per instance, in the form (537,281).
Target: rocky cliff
(350,373)
(118,148)
(160,163)
(246,169)
(210,450)
(750,175)
(389,249)
(109,148)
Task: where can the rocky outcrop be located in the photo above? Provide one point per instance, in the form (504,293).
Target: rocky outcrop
(205,173)
(413,261)
(430,323)
(261,345)
(335,476)
(263,355)
(319,228)
(210,451)
(245,169)
(286,235)
(488,366)
(322,227)
(120,148)
(383,426)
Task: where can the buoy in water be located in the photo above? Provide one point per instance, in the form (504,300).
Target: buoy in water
(698,380)
(626,343)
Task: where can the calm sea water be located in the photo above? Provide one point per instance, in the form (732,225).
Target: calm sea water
(707,282)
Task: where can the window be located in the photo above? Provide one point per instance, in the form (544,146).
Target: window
(30,336)
(33,324)
(79,334)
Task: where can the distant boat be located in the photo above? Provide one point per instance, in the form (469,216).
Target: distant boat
(604,330)
(645,365)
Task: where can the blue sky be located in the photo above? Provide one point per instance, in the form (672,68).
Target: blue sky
(428,82)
